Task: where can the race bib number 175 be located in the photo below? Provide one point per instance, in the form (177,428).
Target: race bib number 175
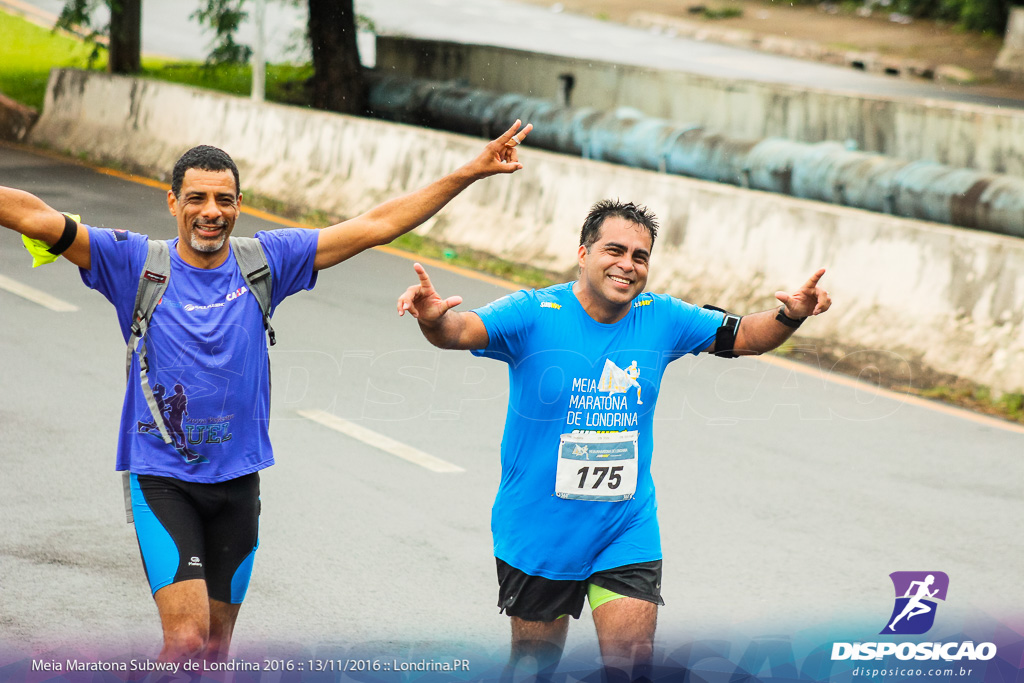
(601,467)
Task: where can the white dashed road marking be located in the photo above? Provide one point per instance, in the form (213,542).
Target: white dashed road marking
(36,295)
(384,443)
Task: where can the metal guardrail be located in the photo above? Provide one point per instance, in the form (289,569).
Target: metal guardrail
(826,171)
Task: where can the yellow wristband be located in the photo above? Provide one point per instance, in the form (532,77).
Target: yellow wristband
(40,250)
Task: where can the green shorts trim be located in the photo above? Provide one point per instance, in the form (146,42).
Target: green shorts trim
(599,595)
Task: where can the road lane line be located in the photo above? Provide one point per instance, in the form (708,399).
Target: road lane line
(36,296)
(379,441)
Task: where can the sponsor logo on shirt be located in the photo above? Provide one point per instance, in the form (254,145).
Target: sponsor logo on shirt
(550,304)
(643,302)
(230,296)
(193,307)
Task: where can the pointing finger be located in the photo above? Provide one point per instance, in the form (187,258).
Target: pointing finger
(422,273)
(813,282)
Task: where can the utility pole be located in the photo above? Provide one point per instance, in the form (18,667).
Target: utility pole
(259,65)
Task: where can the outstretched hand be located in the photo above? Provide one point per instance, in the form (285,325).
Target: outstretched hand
(808,300)
(500,156)
(423,301)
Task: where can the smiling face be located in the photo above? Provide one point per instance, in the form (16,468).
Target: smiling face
(206,208)
(613,271)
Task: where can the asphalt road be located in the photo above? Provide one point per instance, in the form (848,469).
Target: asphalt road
(786,499)
(167,30)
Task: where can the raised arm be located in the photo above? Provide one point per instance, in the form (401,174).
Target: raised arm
(442,326)
(29,215)
(396,217)
(761,332)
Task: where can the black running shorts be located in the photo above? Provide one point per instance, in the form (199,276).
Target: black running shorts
(198,531)
(535,598)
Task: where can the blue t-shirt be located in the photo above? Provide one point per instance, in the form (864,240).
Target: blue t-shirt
(207,356)
(571,374)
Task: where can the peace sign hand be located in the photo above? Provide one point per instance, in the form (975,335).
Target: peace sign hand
(423,301)
(500,156)
(808,300)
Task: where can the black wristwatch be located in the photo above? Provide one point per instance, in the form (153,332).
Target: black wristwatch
(787,321)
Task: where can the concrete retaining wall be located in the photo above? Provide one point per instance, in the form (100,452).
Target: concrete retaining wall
(971,136)
(949,297)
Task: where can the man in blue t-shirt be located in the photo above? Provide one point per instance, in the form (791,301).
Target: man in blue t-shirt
(195,496)
(575,514)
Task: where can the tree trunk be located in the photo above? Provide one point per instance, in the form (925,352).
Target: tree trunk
(337,83)
(125,36)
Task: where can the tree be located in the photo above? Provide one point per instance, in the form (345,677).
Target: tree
(973,15)
(125,37)
(337,82)
(224,17)
(122,36)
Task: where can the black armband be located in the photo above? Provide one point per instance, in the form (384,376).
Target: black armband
(725,336)
(67,238)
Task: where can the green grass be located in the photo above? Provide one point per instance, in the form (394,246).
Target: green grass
(284,83)
(476,260)
(418,244)
(722,13)
(314,218)
(979,398)
(29,52)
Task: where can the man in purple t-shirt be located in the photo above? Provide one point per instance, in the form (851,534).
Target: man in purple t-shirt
(195,500)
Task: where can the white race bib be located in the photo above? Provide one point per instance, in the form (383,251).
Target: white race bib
(600,467)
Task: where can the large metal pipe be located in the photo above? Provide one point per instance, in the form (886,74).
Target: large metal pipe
(824,171)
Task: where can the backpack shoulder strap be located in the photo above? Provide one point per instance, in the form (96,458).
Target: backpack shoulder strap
(152,285)
(252,261)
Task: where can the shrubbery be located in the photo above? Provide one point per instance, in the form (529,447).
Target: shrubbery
(974,15)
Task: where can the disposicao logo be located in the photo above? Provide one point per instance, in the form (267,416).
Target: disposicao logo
(917,596)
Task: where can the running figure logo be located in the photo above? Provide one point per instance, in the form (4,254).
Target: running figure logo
(173,410)
(916,595)
(615,380)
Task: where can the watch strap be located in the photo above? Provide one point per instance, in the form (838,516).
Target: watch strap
(787,321)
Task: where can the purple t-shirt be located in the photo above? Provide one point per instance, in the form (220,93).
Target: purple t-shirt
(207,355)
